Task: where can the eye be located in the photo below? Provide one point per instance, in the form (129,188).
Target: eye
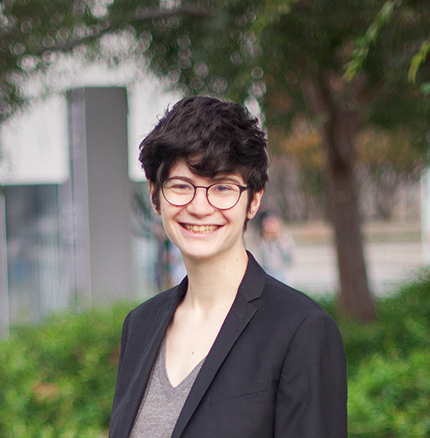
(179,186)
(224,188)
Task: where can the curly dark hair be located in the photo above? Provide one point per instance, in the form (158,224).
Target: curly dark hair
(213,137)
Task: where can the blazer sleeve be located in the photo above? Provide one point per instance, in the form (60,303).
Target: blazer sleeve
(312,393)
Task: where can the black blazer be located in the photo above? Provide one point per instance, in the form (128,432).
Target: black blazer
(276,369)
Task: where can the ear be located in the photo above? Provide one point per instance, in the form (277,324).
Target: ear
(151,193)
(255,204)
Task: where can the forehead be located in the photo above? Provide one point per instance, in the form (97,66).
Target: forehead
(181,169)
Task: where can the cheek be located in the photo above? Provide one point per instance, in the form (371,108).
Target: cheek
(239,217)
(165,215)
(168,214)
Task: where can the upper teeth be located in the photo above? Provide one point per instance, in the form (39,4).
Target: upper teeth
(201,228)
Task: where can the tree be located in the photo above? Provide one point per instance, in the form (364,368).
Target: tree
(306,50)
(387,162)
(35,34)
(342,63)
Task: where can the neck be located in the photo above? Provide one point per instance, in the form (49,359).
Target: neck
(214,283)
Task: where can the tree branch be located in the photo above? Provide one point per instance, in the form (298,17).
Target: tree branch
(140,15)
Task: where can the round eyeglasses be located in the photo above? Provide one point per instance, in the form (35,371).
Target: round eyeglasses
(223,196)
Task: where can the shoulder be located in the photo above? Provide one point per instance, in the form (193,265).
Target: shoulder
(274,300)
(287,297)
(290,310)
(264,290)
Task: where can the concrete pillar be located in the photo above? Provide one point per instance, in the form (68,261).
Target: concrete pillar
(101,193)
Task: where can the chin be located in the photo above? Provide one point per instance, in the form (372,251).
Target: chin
(199,255)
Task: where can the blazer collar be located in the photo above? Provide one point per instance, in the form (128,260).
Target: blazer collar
(240,314)
(251,286)
(253,281)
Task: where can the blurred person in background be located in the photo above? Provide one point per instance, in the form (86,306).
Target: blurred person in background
(230,352)
(275,250)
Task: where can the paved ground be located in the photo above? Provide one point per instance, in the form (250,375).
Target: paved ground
(388,263)
(393,252)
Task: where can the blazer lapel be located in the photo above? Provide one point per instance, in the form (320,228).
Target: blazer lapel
(237,319)
(147,357)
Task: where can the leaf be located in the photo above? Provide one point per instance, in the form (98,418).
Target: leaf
(425,88)
(417,60)
(363,44)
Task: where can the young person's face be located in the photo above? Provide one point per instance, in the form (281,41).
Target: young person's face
(198,229)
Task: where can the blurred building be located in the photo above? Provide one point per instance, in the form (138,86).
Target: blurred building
(73,225)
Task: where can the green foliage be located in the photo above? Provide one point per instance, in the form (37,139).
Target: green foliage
(418,60)
(31,33)
(57,378)
(360,51)
(403,327)
(390,397)
(364,43)
(236,48)
(388,371)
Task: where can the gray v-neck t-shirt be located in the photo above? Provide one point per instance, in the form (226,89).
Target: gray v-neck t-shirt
(162,403)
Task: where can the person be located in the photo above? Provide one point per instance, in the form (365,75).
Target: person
(230,352)
(275,248)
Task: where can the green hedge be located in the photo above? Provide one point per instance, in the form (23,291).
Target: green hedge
(390,397)
(57,378)
(389,367)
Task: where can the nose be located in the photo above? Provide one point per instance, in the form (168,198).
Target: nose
(200,205)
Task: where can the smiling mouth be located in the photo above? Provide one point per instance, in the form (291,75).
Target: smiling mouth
(200,228)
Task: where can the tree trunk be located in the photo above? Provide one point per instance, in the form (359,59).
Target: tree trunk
(355,300)
(339,129)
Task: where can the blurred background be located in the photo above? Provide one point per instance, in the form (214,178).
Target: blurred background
(78,227)
(342,89)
